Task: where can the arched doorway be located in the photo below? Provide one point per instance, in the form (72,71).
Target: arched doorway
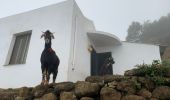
(100,55)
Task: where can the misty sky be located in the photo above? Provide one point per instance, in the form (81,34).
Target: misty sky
(113,16)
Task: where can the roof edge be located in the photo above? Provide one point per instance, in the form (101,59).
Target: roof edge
(105,33)
(27,11)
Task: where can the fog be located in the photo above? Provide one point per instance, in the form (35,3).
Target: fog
(113,16)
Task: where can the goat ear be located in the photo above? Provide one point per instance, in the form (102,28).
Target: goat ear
(52,36)
(42,35)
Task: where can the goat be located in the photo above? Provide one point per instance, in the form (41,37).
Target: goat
(49,59)
(105,67)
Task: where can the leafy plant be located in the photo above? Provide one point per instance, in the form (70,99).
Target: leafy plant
(158,80)
(155,71)
(166,63)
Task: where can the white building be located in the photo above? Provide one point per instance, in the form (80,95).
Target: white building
(21,46)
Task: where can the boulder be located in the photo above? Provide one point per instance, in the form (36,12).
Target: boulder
(132,72)
(112,84)
(39,90)
(25,92)
(162,93)
(145,93)
(105,78)
(133,97)
(49,96)
(146,83)
(67,96)
(107,93)
(9,94)
(1,90)
(63,86)
(153,99)
(94,79)
(167,81)
(86,98)
(110,78)
(127,87)
(30,97)
(86,89)
(21,98)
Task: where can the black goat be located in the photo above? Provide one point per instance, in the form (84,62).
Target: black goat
(105,67)
(49,59)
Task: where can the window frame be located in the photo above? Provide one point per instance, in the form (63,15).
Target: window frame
(11,48)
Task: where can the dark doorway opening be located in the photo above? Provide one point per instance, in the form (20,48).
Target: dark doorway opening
(98,63)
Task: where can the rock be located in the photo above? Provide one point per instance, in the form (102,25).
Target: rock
(146,83)
(153,99)
(1,90)
(128,87)
(94,79)
(107,93)
(86,98)
(114,87)
(167,80)
(105,79)
(162,93)
(110,78)
(112,84)
(25,92)
(133,97)
(67,96)
(86,89)
(39,90)
(145,93)
(49,96)
(9,94)
(63,86)
(30,97)
(20,98)
(132,72)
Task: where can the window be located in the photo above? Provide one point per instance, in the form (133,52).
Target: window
(20,48)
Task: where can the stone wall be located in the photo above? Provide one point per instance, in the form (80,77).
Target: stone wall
(110,87)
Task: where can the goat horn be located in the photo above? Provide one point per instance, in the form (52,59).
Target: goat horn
(42,32)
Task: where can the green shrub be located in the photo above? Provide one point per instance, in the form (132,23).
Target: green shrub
(158,80)
(166,63)
(155,71)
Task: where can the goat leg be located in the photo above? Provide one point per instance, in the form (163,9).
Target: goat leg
(47,78)
(54,76)
(43,77)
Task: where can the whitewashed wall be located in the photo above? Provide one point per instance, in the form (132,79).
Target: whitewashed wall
(128,55)
(79,65)
(57,18)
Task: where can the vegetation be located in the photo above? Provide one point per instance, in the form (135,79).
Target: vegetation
(134,32)
(156,32)
(166,63)
(156,71)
